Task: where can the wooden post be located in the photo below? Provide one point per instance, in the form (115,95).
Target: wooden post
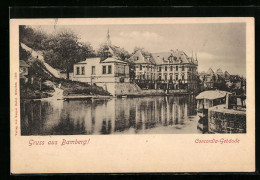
(227,101)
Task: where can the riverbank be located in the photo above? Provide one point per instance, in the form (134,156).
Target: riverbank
(75,88)
(36,91)
(60,88)
(155,92)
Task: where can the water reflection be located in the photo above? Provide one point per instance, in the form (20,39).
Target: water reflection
(148,115)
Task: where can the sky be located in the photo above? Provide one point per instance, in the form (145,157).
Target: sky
(218,45)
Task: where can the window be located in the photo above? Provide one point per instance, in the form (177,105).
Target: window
(159,77)
(176,68)
(78,71)
(171,68)
(182,77)
(82,70)
(165,76)
(165,68)
(137,58)
(176,77)
(170,77)
(140,67)
(182,68)
(109,69)
(104,69)
(160,69)
(93,70)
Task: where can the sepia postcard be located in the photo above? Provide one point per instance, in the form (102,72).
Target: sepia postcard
(132,95)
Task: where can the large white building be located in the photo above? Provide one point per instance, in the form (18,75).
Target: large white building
(107,73)
(167,69)
(93,70)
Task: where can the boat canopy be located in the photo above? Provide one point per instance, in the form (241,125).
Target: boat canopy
(213,94)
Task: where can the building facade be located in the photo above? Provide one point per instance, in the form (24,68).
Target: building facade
(93,70)
(167,70)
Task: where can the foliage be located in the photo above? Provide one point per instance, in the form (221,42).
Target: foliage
(23,55)
(63,50)
(80,88)
(144,52)
(31,37)
(220,83)
(33,91)
(105,50)
(60,50)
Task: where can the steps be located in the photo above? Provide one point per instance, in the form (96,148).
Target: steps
(38,55)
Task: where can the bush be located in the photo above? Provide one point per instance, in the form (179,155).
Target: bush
(80,88)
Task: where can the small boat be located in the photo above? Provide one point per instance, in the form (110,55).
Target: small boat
(205,100)
(121,96)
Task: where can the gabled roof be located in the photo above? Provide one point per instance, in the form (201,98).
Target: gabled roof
(202,72)
(113,60)
(179,57)
(226,73)
(141,58)
(210,71)
(23,64)
(219,71)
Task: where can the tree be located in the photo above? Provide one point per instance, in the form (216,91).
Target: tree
(63,50)
(31,37)
(144,52)
(23,55)
(105,50)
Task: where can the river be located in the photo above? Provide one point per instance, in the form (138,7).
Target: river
(142,115)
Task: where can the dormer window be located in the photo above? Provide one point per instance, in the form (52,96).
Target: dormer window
(137,58)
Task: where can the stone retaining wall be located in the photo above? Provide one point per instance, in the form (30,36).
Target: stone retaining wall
(221,120)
